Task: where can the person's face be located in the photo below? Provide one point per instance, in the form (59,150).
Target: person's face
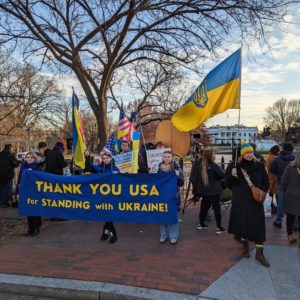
(106,159)
(29,159)
(86,152)
(42,150)
(167,158)
(248,155)
(124,147)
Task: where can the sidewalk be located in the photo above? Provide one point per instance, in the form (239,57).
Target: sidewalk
(201,265)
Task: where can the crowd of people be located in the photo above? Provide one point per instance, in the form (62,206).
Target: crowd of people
(278,175)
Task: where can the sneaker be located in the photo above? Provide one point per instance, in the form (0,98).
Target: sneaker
(277,224)
(162,240)
(173,241)
(202,227)
(220,230)
(113,239)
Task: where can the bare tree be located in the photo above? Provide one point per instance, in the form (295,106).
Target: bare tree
(27,99)
(99,39)
(282,115)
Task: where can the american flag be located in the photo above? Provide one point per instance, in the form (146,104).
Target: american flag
(124,124)
(110,145)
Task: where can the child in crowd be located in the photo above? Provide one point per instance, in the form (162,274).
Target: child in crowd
(107,166)
(30,163)
(169,165)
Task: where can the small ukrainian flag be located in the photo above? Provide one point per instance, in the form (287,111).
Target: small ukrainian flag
(219,91)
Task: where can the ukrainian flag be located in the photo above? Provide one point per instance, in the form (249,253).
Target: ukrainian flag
(78,137)
(219,91)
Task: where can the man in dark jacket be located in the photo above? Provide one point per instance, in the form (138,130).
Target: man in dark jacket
(55,162)
(8,163)
(277,167)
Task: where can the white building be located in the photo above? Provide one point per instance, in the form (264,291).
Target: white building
(229,134)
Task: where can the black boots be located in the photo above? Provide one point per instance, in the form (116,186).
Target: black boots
(246,250)
(260,256)
(109,230)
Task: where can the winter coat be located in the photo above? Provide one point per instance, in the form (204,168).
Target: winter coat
(291,190)
(247,218)
(215,175)
(280,163)
(26,166)
(272,177)
(180,181)
(55,162)
(110,168)
(7,164)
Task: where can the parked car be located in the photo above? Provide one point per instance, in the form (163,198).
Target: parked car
(21,155)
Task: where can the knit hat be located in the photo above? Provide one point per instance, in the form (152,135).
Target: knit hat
(246,148)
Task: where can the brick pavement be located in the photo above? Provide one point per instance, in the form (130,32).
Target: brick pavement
(73,250)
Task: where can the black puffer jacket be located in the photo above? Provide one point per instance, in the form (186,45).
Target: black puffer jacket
(8,163)
(279,164)
(215,175)
(55,162)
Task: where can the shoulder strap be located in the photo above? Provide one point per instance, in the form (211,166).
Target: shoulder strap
(247,178)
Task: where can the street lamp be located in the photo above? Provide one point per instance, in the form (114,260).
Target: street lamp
(28,129)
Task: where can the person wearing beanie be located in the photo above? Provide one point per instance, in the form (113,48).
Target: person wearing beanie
(247,218)
(277,167)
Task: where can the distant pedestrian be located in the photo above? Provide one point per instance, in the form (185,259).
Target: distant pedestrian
(247,218)
(29,163)
(167,165)
(273,153)
(291,196)
(277,167)
(8,162)
(206,178)
(41,155)
(55,162)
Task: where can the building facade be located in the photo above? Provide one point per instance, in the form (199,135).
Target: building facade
(228,135)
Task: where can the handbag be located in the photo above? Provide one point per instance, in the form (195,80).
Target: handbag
(258,194)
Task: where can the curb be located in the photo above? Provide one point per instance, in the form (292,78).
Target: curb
(69,289)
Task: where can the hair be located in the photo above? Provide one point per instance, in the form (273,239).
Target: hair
(296,162)
(206,159)
(59,146)
(107,154)
(288,147)
(42,145)
(31,154)
(275,150)
(7,147)
(255,159)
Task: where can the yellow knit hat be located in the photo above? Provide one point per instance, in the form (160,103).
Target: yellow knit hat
(246,148)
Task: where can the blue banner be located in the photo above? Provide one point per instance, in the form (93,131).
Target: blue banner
(132,198)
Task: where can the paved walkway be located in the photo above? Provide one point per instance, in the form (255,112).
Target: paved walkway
(202,264)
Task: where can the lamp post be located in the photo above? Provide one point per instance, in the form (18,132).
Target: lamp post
(28,129)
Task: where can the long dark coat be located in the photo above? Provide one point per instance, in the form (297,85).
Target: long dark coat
(291,188)
(247,218)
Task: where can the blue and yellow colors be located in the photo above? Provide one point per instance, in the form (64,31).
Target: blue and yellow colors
(219,91)
(78,137)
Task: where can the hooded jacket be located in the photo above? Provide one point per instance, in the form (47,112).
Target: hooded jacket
(279,164)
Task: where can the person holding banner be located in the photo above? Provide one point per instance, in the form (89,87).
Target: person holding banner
(169,165)
(107,166)
(30,163)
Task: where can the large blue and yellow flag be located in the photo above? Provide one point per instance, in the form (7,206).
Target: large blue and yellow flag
(78,137)
(219,91)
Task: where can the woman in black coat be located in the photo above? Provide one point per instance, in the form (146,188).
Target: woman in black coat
(247,219)
(290,181)
(206,176)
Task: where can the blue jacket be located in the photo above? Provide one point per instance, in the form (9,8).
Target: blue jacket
(106,169)
(26,166)
(279,164)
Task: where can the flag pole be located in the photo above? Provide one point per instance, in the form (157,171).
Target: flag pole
(239,117)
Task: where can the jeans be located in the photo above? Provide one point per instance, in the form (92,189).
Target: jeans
(5,192)
(173,231)
(280,204)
